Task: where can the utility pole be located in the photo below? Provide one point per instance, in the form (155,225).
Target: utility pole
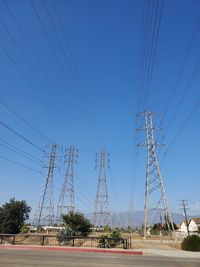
(46,205)
(155,199)
(184,207)
(66,199)
(101,214)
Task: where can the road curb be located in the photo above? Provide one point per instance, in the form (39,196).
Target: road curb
(72,249)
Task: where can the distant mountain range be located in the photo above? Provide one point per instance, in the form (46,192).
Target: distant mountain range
(121,219)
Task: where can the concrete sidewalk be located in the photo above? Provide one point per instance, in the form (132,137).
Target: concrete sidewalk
(171,253)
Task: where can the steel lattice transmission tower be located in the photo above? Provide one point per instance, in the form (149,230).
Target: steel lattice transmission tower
(66,199)
(46,204)
(155,200)
(101,214)
(130,216)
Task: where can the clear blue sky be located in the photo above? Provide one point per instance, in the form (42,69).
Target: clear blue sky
(92,104)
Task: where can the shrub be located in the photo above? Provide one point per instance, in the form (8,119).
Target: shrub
(24,229)
(109,241)
(65,236)
(103,241)
(191,243)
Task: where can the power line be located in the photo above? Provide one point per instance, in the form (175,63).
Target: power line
(196,71)
(66,58)
(29,64)
(182,67)
(21,136)
(83,91)
(19,149)
(19,164)
(80,183)
(22,120)
(183,126)
(63,114)
(152,15)
(27,60)
(20,154)
(20,72)
(143,49)
(154,44)
(85,197)
(53,50)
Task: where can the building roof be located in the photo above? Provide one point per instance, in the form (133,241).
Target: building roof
(196,220)
(183,222)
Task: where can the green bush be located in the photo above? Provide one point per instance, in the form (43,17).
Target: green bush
(191,243)
(109,241)
(65,236)
(103,242)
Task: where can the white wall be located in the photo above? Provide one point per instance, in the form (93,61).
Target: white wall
(193,226)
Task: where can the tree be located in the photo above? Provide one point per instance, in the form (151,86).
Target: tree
(77,222)
(157,227)
(13,214)
(165,227)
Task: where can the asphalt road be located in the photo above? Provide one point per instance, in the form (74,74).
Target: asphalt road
(29,258)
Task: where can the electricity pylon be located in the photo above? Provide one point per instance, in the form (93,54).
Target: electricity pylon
(66,199)
(130,216)
(155,200)
(101,214)
(46,204)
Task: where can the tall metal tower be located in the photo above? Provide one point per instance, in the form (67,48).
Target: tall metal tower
(130,215)
(46,204)
(66,199)
(155,201)
(101,214)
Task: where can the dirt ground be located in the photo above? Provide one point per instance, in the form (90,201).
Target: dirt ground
(154,242)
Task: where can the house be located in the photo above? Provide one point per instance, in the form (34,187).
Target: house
(183,227)
(193,223)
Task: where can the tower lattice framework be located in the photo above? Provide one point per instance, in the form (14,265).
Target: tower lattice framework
(101,214)
(66,202)
(155,200)
(46,205)
(130,216)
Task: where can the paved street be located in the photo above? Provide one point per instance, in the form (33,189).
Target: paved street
(21,258)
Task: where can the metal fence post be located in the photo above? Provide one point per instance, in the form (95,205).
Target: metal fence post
(43,240)
(13,242)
